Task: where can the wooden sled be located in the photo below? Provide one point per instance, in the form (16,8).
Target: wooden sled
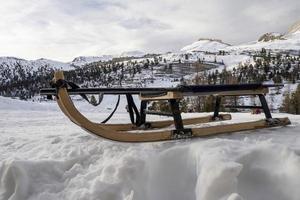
(142,131)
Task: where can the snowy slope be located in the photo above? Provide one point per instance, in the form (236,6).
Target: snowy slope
(205,45)
(83,60)
(136,54)
(34,64)
(229,60)
(289,42)
(76,62)
(47,157)
(294,28)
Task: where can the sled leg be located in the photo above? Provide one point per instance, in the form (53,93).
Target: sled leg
(132,109)
(143,113)
(217,108)
(265,106)
(176,114)
(180,132)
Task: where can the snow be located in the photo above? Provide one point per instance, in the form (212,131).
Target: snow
(135,53)
(295,27)
(52,63)
(234,60)
(291,42)
(83,60)
(275,34)
(229,61)
(205,45)
(45,156)
(34,64)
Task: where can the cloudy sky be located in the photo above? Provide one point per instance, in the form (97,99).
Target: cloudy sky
(64,29)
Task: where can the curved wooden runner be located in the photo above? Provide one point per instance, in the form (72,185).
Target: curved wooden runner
(119,132)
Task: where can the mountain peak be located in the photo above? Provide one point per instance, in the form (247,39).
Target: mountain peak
(213,40)
(134,53)
(82,60)
(270,37)
(205,45)
(294,28)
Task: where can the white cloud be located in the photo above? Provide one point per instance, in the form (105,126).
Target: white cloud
(64,29)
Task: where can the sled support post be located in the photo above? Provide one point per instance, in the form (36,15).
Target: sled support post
(265,106)
(143,113)
(217,107)
(180,132)
(132,109)
(176,114)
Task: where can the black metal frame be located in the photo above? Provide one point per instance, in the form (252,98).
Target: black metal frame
(264,106)
(188,90)
(217,108)
(181,132)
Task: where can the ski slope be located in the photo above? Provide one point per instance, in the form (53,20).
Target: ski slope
(44,156)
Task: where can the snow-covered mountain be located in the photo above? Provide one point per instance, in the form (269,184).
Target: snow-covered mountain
(136,54)
(270,37)
(273,41)
(294,28)
(76,62)
(289,42)
(83,60)
(33,64)
(205,45)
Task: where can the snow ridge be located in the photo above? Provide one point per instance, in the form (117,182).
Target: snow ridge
(11,62)
(273,41)
(205,45)
(83,60)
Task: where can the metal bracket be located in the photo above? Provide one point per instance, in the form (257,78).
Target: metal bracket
(273,122)
(182,134)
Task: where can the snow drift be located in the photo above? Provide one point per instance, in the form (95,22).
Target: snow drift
(47,157)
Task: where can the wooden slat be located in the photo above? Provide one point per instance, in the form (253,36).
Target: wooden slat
(166,123)
(243,92)
(169,95)
(244,126)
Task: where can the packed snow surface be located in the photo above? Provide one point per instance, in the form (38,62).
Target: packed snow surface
(44,156)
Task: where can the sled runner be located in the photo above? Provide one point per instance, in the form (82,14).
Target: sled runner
(140,130)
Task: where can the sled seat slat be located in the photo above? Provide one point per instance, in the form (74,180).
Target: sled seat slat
(243,92)
(166,96)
